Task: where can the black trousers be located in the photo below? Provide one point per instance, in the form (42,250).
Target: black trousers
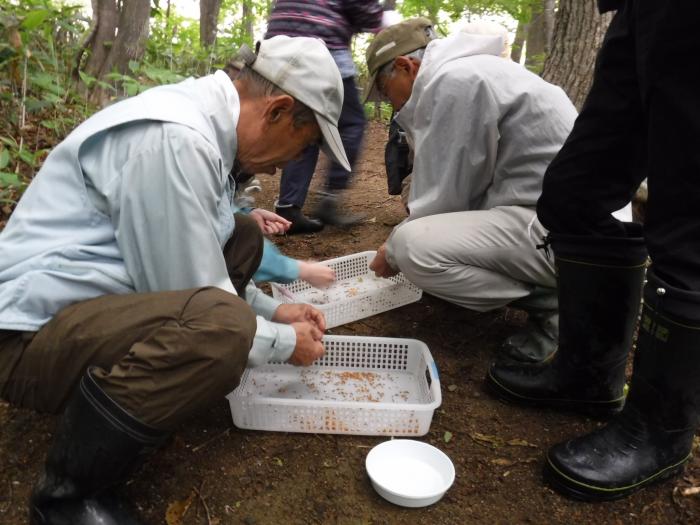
(641,119)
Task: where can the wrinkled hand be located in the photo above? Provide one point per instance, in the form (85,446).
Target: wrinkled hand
(380,266)
(299,313)
(309,346)
(316,274)
(270,222)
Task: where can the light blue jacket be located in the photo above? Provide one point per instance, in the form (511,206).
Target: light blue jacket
(135,199)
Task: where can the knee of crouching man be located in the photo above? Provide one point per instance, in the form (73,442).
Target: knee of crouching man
(406,246)
(225,326)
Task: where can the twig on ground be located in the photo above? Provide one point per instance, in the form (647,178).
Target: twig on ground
(204,503)
(202,445)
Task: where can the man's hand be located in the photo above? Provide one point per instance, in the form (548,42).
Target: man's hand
(309,346)
(270,222)
(380,266)
(300,313)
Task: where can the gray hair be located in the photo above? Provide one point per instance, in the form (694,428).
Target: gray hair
(388,68)
(259,86)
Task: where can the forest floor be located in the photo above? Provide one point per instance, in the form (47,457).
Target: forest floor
(223,475)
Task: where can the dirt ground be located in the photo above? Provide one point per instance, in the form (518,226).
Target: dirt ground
(224,475)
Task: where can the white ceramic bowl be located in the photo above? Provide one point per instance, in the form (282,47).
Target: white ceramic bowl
(409,473)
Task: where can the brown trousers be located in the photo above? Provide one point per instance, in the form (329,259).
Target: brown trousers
(160,356)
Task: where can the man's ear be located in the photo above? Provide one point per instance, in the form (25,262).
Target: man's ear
(409,65)
(277,107)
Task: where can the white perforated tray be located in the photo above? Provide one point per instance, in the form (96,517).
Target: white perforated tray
(356,294)
(363,385)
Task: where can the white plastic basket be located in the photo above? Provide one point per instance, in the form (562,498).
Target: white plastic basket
(356,294)
(368,386)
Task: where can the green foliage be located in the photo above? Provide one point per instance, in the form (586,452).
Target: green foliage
(456,9)
(39,38)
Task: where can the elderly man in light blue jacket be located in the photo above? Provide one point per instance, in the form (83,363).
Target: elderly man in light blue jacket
(125,292)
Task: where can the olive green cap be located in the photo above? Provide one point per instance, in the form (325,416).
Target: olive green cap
(394,41)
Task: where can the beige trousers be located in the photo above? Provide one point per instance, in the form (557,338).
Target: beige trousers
(480,260)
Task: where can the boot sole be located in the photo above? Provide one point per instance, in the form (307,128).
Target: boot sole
(596,410)
(581,491)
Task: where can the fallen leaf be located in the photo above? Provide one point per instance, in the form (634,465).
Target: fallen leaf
(452,388)
(447,437)
(503,462)
(176,510)
(520,443)
(278,462)
(691,491)
(495,441)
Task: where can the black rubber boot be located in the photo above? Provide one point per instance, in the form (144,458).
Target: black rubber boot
(327,211)
(600,285)
(538,341)
(651,439)
(95,447)
(300,222)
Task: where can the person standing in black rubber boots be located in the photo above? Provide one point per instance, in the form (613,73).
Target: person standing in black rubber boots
(641,119)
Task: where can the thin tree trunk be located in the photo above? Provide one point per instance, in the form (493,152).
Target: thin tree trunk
(578,32)
(535,50)
(208,20)
(130,43)
(516,51)
(105,18)
(247,19)
(548,12)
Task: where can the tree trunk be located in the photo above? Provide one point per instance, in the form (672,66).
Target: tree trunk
(578,33)
(536,48)
(549,8)
(247,20)
(130,43)
(105,17)
(516,50)
(208,19)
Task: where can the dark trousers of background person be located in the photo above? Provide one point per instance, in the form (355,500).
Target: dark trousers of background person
(162,357)
(296,176)
(641,119)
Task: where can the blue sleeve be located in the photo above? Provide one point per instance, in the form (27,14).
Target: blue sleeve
(275,266)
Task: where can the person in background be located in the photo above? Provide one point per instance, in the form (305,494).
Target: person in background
(482,130)
(126,304)
(641,119)
(335,23)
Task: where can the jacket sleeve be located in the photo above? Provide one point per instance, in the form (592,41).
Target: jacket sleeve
(363,16)
(275,266)
(167,213)
(455,134)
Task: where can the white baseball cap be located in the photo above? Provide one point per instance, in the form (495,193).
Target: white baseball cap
(304,69)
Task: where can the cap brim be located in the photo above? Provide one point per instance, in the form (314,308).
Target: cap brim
(371,92)
(332,145)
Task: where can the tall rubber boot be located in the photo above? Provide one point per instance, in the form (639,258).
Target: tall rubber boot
(599,287)
(651,439)
(95,447)
(538,341)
